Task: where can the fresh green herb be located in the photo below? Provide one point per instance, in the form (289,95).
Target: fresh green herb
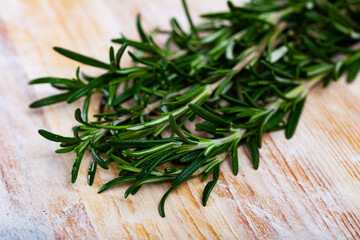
(238,74)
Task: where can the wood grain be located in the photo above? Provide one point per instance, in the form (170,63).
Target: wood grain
(306,188)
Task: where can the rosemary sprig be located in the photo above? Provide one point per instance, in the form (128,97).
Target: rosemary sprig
(240,73)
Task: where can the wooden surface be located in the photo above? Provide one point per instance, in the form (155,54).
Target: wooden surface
(306,188)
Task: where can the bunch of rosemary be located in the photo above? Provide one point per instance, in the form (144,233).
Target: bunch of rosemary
(243,72)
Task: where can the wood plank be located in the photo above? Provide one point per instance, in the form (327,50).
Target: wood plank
(306,188)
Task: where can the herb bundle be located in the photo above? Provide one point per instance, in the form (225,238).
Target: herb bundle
(239,73)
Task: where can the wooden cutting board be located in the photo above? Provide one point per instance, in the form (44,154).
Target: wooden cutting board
(306,188)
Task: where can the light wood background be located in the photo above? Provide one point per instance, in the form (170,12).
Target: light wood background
(306,188)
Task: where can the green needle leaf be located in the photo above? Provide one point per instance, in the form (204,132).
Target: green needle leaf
(145,181)
(253,145)
(190,156)
(53,80)
(162,202)
(51,100)
(353,71)
(119,54)
(115,182)
(95,83)
(86,108)
(96,158)
(294,118)
(76,166)
(81,58)
(151,166)
(188,171)
(66,149)
(209,187)
(203,113)
(235,160)
(142,34)
(192,26)
(91,173)
(79,116)
(139,45)
(141,60)
(176,129)
(56,138)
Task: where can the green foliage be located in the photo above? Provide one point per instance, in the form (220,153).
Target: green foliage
(241,72)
